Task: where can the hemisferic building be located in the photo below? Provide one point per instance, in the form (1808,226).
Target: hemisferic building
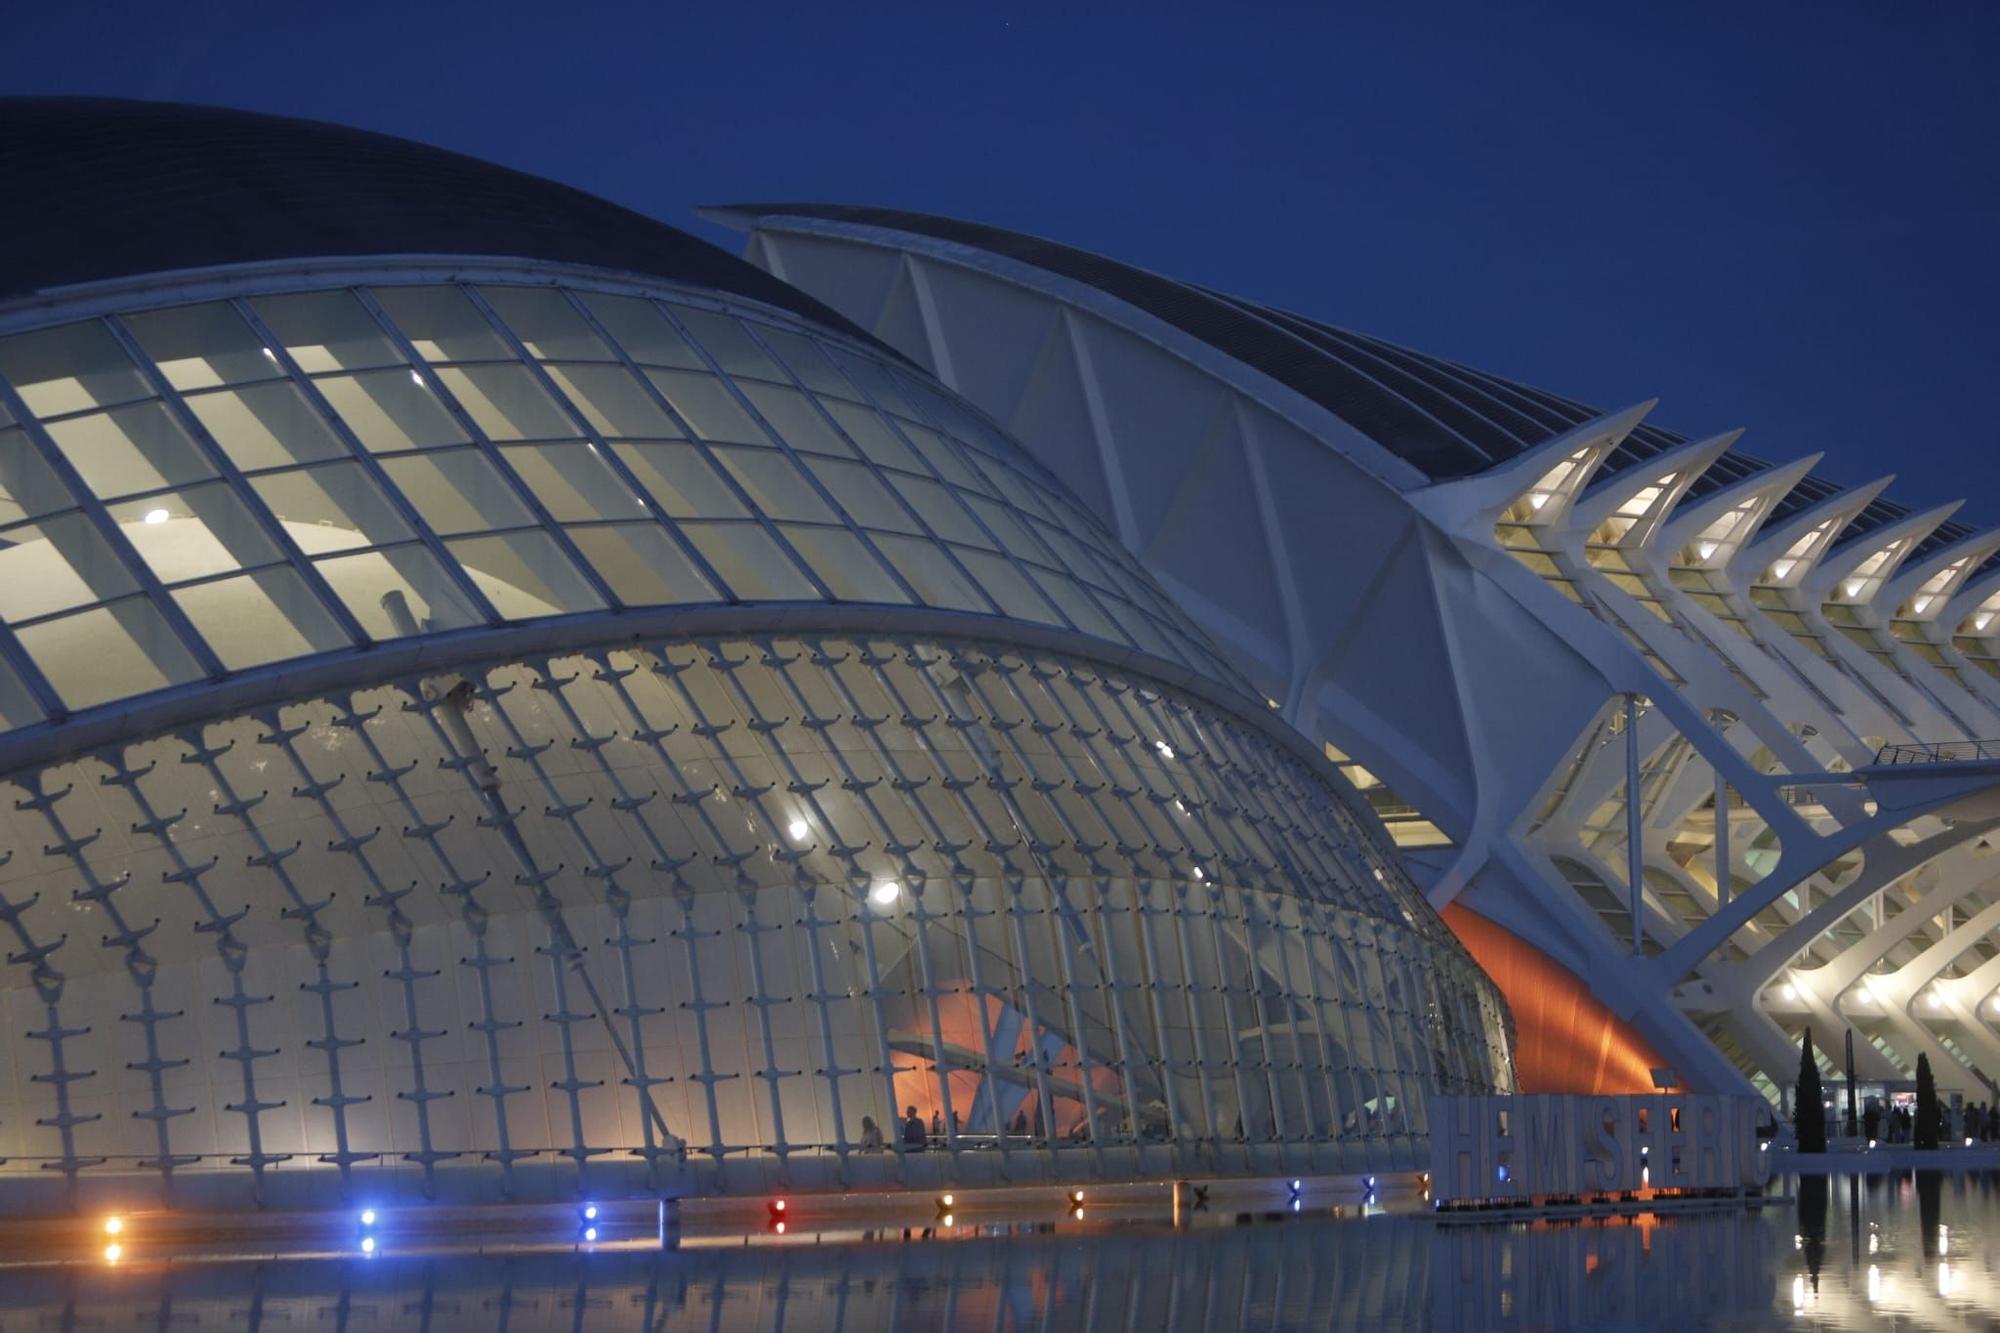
(500,699)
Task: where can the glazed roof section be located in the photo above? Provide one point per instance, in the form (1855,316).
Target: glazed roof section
(1445,419)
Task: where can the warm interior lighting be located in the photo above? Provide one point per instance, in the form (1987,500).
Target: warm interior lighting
(1789,991)
(797,830)
(884,893)
(113,1225)
(113,1252)
(156,515)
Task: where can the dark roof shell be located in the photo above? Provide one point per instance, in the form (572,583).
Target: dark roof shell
(105,188)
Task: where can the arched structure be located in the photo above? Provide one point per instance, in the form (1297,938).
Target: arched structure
(1503,611)
(500,699)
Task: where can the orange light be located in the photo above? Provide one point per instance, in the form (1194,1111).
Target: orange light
(112,1252)
(113,1225)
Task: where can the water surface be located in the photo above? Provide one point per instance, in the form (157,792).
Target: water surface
(1907,1251)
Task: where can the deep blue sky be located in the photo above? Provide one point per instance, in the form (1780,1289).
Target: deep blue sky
(1777,216)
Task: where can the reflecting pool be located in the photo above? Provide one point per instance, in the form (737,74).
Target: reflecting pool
(1906,1251)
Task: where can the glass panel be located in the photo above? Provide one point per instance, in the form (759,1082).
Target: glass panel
(457,491)
(924,568)
(327,331)
(943,457)
(506,402)
(525,575)
(28,485)
(263,617)
(682,481)
(70,369)
(56,564)
(866,428)
(642,564)
(1077,604)
(130,449)
(17,706)
(332,508)
(266,426)
(202,346)
(398,591)
(878,383)
(705,405)
(945,515)
(642,331)
(724,339)
(1009,587)
(194,533)
(863,495)
(573,481)
(775,484)
(806,361)
(792,415)
(614,401)
(546,324)
(844,564)
(441,324)
(750,562)
(112,652)
(1014,535)
(391,409)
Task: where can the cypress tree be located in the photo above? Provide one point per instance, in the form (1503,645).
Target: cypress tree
(1930,1116)
(1808,1111)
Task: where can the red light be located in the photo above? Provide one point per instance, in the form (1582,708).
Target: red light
(779,1205)
(781,1228)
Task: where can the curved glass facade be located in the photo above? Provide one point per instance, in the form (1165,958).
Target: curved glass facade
(198,490)
(713,910)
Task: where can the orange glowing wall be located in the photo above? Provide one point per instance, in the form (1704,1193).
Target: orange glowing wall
(1565,1041)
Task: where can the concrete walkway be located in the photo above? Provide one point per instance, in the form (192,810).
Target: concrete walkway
(1883,1159)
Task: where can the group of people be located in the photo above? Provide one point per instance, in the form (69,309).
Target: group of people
(916,1136)
(913,1133)
(1978,1121)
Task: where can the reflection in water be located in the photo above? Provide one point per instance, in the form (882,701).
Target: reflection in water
(1916,1253)
(1814,1192)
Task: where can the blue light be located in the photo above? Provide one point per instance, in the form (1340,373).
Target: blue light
(1371,1184)
(368,1245)
(590,1233)
(1503,1173)
(590,1212)
(1295,1187)
(367,1217)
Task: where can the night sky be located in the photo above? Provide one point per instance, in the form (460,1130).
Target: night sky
(1777,216)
